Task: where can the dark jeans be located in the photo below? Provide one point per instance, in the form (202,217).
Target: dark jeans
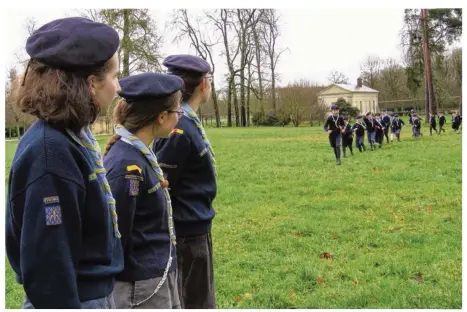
(335,139)
(195,272)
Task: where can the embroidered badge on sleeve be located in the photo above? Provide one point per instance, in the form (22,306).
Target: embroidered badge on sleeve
(134,187)
(53,215)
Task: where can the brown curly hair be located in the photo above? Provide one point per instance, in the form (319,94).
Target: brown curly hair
(60,98)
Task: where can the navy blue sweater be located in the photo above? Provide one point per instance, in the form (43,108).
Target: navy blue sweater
(142,213)
(59,236)
(185,159)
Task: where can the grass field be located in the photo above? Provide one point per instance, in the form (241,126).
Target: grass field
(389,222)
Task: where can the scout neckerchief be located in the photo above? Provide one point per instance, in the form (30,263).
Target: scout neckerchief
(190,114)
(335,120)
(87,140)
(379,123)
(361,124)
(149,154)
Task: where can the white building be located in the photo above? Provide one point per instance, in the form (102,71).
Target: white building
(360,96)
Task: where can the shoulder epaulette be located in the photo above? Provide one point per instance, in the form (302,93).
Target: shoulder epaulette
(175,130)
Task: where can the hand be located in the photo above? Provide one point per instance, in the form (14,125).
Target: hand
(329,131)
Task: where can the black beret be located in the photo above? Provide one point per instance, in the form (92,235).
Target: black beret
(335,107)
(346,118)
(73,43)
(368,114)
(377,114)
(149,85)
(187,62)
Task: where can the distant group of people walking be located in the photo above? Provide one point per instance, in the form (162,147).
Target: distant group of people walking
(377,126)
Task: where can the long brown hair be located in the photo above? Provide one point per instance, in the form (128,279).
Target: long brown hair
(137,115)
(59,97)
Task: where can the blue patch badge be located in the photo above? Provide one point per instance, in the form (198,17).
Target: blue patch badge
(134,187)
(53,215)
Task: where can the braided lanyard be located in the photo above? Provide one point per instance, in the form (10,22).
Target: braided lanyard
(87,140)
(149,154)
(190,113)
(335,120)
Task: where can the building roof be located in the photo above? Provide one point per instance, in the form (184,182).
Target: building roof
(350,88)
(354,88)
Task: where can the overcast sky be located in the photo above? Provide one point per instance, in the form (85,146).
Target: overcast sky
(318,40)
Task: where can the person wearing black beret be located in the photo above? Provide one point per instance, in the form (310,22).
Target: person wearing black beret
(334,126)
(149,107)
(432,121)
(379,130)
(62,237)
(442,121)
(386,120)
(396,127)
(370,128)
(456,121)
(359,129)
(188,159)
(347,136)
(416,125)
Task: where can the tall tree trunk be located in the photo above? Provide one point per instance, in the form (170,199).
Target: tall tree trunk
(273,88)
(216,106)
(229,107)
(235,99)
(427,61)
(242,97)
(125,43)
(248,107)
(258,64)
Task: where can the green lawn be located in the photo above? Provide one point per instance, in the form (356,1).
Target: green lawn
(391,219)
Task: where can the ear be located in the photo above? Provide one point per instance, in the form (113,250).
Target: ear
(161,118)
(202,85)
(92,84)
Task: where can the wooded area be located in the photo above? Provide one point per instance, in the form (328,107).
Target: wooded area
(247,39)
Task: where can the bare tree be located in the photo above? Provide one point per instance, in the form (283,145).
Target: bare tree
(258,50)
(269,34)
(318,111)
(202,44)
(31,26)
(338,77)
(222,21)
(392,80)
(370,70)
(246,19)
(298,99)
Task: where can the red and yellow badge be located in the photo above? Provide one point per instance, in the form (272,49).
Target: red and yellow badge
(175,130)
